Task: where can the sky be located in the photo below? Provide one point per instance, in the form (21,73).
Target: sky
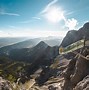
(41,18)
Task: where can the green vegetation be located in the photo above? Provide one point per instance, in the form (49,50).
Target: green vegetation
(10,69)
(55,64)
(11,78)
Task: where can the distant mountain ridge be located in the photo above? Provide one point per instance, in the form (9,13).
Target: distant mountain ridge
(32,54)
(42,54)
(4,41)
(29,43)
(23,44)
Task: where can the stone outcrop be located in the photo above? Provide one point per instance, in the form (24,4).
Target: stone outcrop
(4,84)
(77,69)
(83,85)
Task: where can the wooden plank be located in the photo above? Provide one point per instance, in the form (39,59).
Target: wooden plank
(72,47)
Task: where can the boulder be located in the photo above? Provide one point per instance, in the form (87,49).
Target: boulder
(81,70)
(83,85)
(77,69)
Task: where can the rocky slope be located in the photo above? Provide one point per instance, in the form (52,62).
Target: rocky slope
(5,84)
(65,74)
(62,74)
(83,85)
(76,71)
(73,75)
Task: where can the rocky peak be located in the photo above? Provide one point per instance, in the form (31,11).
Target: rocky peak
(86,25)
(69,38)
(42,45)
(75,35)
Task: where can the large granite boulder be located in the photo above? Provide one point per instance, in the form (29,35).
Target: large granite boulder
(77,69)
(81,70)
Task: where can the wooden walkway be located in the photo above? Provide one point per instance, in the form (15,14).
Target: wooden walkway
(75,46)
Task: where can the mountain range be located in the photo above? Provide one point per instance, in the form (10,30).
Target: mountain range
(5,41)
(23,42)
(26,57)
(38,56)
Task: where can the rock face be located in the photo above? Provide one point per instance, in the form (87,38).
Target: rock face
(71,36)
(75,35)
(83,85)
(4,84)
(77,69)
(81,70)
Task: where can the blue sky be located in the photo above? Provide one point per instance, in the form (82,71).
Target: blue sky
(41,18)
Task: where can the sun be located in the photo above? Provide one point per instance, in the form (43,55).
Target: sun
(54,15)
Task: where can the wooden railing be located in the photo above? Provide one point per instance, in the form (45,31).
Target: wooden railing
(72,47)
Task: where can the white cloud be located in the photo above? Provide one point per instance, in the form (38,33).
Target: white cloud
(10,14)
(3,12)
(71,23)
(31,20)
(55,14)
(86,21)
(25,22)
(28,21)
(69,13)
(11,26)
(52,12)
(48,6)
(37,18)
